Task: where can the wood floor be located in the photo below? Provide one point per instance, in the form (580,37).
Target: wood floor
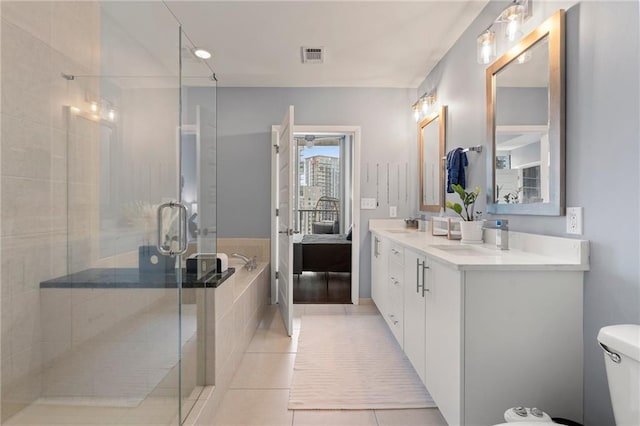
(312,287)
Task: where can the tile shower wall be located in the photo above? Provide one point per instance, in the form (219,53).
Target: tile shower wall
(39,40)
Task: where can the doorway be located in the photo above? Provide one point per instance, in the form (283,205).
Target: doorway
(326,185)
(322,247)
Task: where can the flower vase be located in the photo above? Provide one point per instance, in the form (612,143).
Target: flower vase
(471,231)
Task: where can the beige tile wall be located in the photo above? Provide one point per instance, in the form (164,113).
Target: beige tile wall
(39,40)
(259,247)
(239,305)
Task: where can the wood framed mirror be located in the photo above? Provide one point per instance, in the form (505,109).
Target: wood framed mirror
(526,124)
(432,136)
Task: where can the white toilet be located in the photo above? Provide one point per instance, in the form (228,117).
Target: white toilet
(621,345)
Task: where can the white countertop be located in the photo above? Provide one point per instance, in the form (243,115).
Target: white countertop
(527,252)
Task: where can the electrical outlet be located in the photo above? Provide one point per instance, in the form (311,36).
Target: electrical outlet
(393,211)
(368,203)
(574,220)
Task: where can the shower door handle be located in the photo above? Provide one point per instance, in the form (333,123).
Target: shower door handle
(182,229)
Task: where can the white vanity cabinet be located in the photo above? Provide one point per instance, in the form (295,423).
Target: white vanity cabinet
(415,272)
(487,330)
(497,339)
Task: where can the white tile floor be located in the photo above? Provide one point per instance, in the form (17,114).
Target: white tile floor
(259,392)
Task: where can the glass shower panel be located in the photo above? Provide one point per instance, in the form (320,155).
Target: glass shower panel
(198,194)
(124,310)
(121,311)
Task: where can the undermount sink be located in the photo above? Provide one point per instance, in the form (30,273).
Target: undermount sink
(464,250)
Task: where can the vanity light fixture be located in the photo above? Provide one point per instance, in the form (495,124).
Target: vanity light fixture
(512,19)
(112,114)
(421,106)
(416,111)
(486,46)
(202,53)
(427,100)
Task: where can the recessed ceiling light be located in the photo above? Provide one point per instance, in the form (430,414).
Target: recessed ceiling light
(201,53)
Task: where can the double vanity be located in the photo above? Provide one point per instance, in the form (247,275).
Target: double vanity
(485,329)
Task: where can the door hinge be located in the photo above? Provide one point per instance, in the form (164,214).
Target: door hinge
(277,275)
(277,212)
(277,147)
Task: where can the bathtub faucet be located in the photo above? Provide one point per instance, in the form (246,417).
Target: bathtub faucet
(250,263)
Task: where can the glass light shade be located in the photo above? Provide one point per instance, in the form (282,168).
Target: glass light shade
(512,18)
(416,111)
(486,47)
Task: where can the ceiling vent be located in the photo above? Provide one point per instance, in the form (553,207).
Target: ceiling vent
(312,55)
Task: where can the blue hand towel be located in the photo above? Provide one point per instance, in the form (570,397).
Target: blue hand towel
(456,162)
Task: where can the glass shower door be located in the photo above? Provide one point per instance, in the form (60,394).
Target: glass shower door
(128,327)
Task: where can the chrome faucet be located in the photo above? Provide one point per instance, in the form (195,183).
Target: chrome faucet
(502,232)
(250,263)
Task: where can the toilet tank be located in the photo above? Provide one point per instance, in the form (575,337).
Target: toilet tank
(621,345)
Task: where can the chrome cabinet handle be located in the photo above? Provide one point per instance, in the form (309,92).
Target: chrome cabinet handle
(418,285)
(394,251)
(182,230)
(424,279)
(376,252)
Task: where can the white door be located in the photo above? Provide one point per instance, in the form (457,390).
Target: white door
(285,220)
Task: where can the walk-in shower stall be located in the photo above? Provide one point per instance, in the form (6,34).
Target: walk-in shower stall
(108,182)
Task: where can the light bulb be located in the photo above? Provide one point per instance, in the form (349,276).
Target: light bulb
(416,114)
(512,29)
(512,16)
(112,114)
(486,46)
(94,106)
(425,105)
(525,57)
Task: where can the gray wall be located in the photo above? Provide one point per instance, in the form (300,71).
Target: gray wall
(245,117)
(602,160)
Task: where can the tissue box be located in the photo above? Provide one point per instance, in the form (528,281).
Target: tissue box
(202,264)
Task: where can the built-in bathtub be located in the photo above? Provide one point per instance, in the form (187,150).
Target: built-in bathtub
(105,322)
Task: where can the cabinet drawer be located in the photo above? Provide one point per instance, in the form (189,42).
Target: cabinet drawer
(395,316)
(396,253)
(396,274)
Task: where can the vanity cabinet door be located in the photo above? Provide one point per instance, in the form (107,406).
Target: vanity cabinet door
(379,264)
(414,310)
(443,336)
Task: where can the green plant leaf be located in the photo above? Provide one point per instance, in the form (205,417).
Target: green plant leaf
(455,207)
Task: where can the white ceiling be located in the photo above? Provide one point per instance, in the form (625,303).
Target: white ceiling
(367,43)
